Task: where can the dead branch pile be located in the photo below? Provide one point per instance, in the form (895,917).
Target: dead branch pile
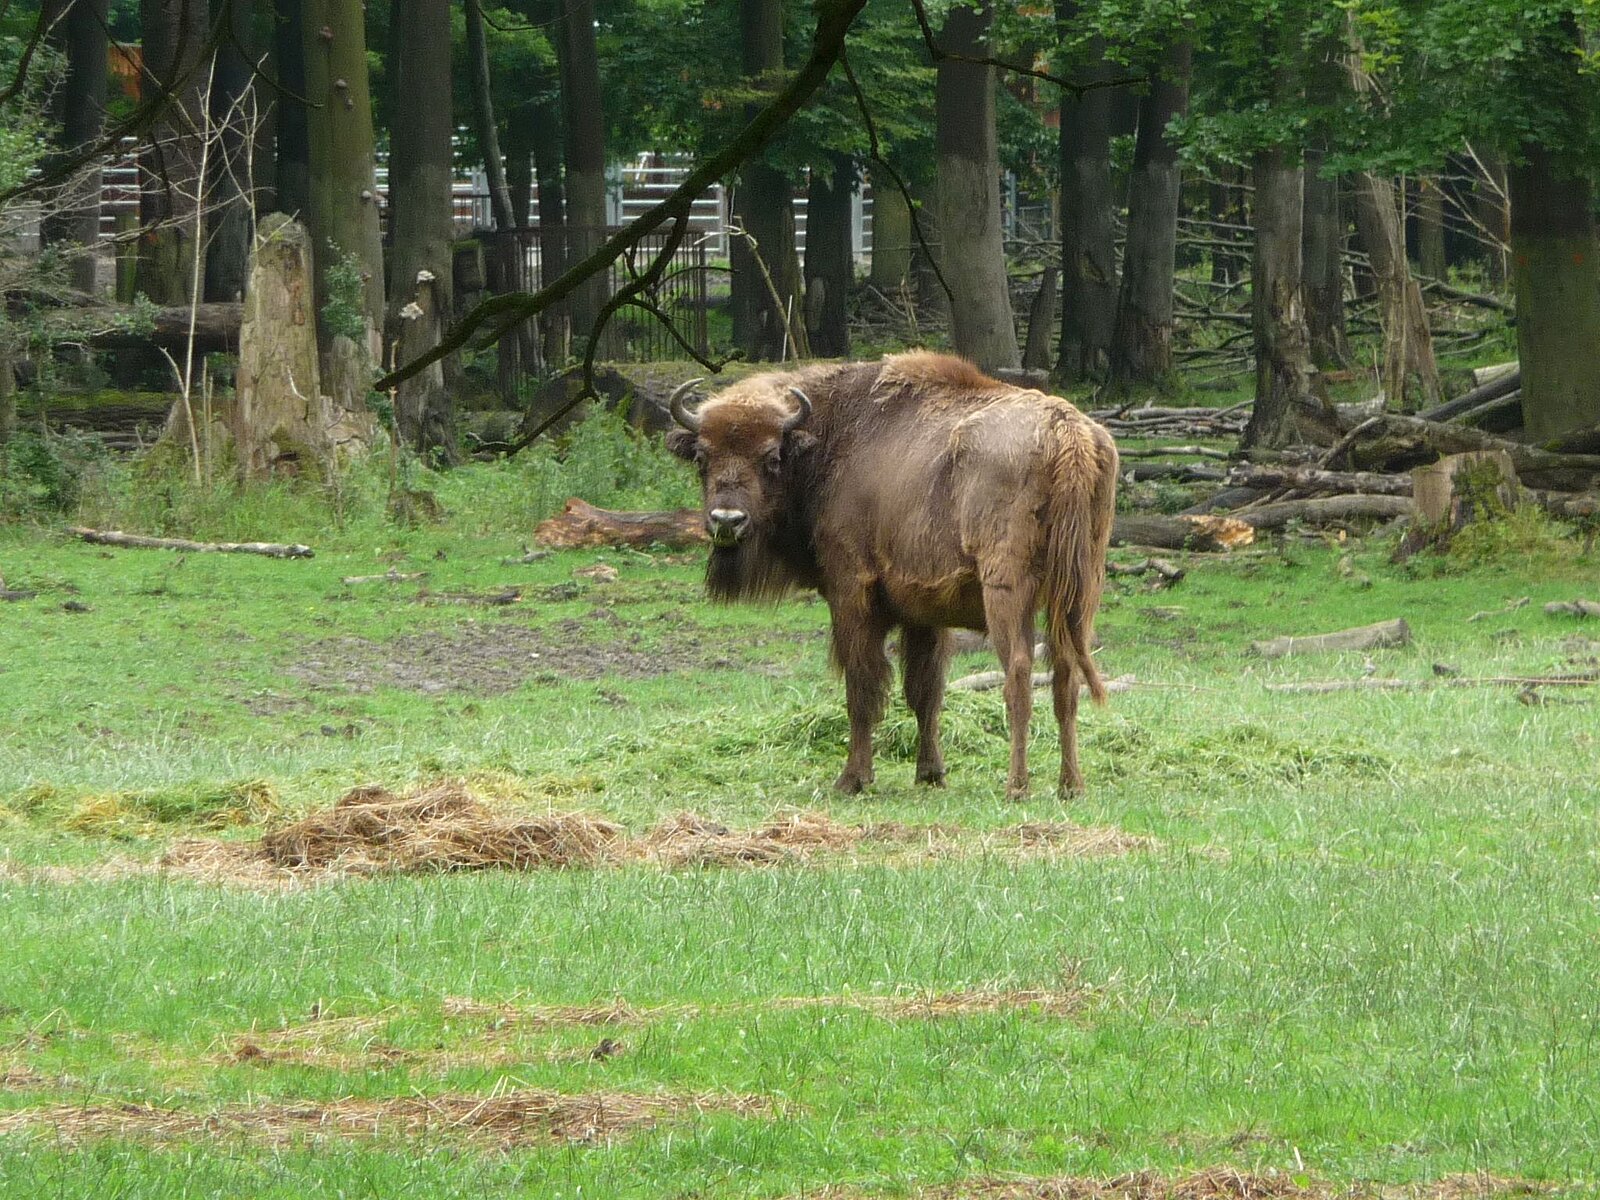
(1152,421)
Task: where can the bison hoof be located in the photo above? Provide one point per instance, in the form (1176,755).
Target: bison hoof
(1017,791)
(932,776)
(850,782)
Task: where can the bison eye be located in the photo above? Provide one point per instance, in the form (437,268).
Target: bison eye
(772,460)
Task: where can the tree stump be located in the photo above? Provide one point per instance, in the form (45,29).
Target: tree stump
(1455,491)
(280,418)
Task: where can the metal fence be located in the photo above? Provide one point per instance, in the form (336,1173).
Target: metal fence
(688,286)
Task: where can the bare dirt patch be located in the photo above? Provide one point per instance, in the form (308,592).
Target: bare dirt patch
(490,658)
(516,1117)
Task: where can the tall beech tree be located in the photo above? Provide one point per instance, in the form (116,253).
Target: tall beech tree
(1141,341)
(421,170)
(766,293)
(584,151)
(78,109)
(830,263)
(972,242)
(177,43)
(342,195)
(1087,214)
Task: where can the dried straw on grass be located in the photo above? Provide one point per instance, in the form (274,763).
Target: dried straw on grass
(546,1016)
(1078,841)
(441,828)
(691,840)
(518,1117)
(1214,1183)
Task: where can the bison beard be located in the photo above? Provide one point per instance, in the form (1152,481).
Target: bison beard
(922,494)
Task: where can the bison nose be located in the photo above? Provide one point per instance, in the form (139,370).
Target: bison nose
(727,525)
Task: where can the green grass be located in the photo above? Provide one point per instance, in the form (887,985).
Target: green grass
(1366,944)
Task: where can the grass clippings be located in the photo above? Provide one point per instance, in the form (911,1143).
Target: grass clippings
(1229,1183)
(445,826)
(1213,1183)
(512,1118)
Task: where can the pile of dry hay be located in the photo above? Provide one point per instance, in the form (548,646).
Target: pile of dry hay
(517,1117)
(444,827)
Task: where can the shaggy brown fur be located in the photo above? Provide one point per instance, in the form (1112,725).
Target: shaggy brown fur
(919,493)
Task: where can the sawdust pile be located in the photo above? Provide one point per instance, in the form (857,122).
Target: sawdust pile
(518,1117)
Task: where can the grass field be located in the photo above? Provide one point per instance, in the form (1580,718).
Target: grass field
(1349,941)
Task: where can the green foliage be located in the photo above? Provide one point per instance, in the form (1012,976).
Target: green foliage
(344,313)
(46,472)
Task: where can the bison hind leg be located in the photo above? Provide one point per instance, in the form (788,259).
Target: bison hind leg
(926,654)
(1008,612)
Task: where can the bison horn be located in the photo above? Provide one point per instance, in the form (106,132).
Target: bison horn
(801,414)
(689,420)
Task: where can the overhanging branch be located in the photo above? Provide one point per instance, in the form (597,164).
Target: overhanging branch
(834,19)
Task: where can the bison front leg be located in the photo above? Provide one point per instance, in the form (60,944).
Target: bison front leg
(926,653)
(1008,611)
(858,633)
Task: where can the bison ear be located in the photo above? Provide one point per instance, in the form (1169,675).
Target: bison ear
(681,442)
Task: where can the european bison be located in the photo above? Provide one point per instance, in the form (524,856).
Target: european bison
(920,493)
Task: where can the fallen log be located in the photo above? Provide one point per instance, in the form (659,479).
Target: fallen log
(216,327)
(1227,498)
(11,596)
(1203,533)
(102,537)
(390,576)
(1573,608)
(1181,472)
(1483,375)
(1413,435)
(1325,511)
(1365,637)
(1170,572)
(1493,388)
(987,681)
(581,524)
(1369,483)
(1162,451)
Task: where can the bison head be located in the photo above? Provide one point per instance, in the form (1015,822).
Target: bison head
(744,445)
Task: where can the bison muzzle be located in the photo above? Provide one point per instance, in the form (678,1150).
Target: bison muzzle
(921,494)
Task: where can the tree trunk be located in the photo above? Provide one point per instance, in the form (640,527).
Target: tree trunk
(585,153)
(1324,226)
(1088,224)
(1410,373)
(343,188)
(519,172)
(517,347)
(280,415)
(1141,342)
(973,255)
(1494,217)
(555,322)
(891,237)
(1288,405)
(1431,262)
(1324,267)
(766,302)
(1225,194)
(420,175)
(175,39)
(291,175)
(231,167)
(924,276)
(830,265)
(78,109)
(1558,294)
(8,400)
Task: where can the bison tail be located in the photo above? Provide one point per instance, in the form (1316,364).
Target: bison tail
(1081,511)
